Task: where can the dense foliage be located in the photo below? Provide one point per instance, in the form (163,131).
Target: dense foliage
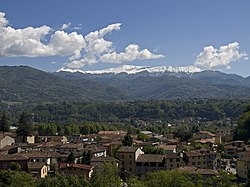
(242,132)
(108,176)
(164,110)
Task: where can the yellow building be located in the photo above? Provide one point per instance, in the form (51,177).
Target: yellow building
(128,156)
(243,165)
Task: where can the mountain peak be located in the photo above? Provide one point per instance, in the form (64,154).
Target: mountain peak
(130,69)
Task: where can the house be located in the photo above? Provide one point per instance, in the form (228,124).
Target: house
(99,161)
(37,156)
(76,169)
(6,140)
(243,165)
(37,169)
(232,148)
(203,172)
(128,156)
(203,135)
(167,148)
(112,133)
(7,160)
(149,162)
(77,138)
(57,138)
(224,131)
(173,161)
(25,139)
(203,159)
(69,147)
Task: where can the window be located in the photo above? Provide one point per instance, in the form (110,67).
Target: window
(177,160)
(130,156)
(129,163)
(122,156)
(193,163)
(130,169)
(153,164)
(171,160)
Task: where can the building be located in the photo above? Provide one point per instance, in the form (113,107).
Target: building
(243,165)
(100,161)
(174,161)
(6,140)
(149,162)
(203,172)
(76,169)
(37,169)
(203,135)
(128,156)
(232,148)
(37,156)
(7,160)
(202,159)
(58,139)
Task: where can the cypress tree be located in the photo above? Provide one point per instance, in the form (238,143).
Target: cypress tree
(4,123)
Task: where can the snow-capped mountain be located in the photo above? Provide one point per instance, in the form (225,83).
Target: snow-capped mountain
(130,69)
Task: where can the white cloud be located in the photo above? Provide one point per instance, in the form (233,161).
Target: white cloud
(44,41)
(211,58)
(65,26)
(65,44)
(3,20)
(132,52)
(100,50)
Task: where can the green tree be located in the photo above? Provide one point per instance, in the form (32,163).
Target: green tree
(25,127)
(127,141)
(242,132)
(87,157)
(71,158)
(106,176)
(16,179)
(4,123)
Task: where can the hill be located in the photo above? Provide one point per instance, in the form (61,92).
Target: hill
(28,85)
(24,84)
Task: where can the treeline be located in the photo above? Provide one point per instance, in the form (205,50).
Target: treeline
(165,110)
(109,177)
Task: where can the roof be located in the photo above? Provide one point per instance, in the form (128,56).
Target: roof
(104,159)
(34,154)
(150,158)
(71,165)
(112,132)
(194,170)
(211,140)
(167,147)
(146,132)
(12,157)
(172,155)
(205,132)
(2,136)
(36,165)
(126,149)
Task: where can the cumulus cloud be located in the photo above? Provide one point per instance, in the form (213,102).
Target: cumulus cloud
(65,26)
(131,53)
(211,58)
(3,20)
(81,51)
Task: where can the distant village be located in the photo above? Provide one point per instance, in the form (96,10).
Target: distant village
(134,154)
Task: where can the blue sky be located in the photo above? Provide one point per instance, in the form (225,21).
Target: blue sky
(152,33)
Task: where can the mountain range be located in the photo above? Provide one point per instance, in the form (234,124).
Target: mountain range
(28,85)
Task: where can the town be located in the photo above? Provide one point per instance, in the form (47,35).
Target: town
(204,153)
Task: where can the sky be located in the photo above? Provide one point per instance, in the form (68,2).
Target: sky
(97,34)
